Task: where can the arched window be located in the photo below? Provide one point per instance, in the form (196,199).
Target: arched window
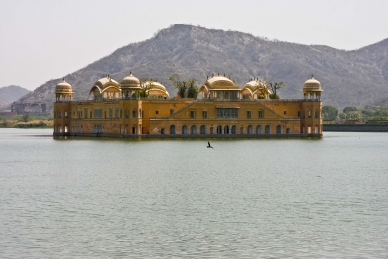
(162,131)
(267,129)
(194,129)
(226,129)
(278,129)
(219,129)
(126,114)
(234,129)
(202,129)
(258,129)
(184,129)
(172,129)
(250,129)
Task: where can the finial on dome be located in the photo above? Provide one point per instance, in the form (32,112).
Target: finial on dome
(63,79)
(212,74)
(224,74)
(218,73)
(130,72)
(207,77)
(312,76)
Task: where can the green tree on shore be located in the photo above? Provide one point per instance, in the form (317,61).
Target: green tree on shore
(329,112)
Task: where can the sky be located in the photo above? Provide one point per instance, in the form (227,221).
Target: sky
(45,39)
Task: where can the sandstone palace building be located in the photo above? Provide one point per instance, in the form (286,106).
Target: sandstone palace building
(222,109)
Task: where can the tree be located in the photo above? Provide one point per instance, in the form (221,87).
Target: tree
(274,86)
(355,115)
(349,109)
(329,112)
(192,89)
(26,117)
(145,84)
(186,88)
(4,121)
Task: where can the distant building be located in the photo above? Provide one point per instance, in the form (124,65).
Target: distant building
(8,113)
(222,108)
(30,108)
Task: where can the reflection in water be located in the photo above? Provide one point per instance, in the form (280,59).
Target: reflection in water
(161,199)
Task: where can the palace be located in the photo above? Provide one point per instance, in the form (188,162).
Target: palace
(222,109)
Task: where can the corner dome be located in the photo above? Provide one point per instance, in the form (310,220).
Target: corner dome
(130,82)
(63,87)
(312,85)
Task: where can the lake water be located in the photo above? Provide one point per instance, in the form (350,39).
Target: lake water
(114,198)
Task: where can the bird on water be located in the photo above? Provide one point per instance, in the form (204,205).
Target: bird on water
(208,145)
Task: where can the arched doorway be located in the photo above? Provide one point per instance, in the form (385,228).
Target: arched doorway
(162,131)
(278,129)
(288,131)
(172,129)
(202,129)
(185,129)
(242,130)
(234,129)
(250,129)
(267,129)
(226,129)
(219,129)
(258,129)
(194,129)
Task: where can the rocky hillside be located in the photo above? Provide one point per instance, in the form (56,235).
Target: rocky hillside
(9,94)
(349,78)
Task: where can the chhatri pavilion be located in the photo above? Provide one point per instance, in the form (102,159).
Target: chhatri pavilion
(222,109)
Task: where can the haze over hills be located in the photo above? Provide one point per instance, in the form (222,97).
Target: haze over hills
(9,94)
(349,78)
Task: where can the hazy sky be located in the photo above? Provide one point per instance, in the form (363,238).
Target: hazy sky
(43,40)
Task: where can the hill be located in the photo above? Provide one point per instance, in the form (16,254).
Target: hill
(9,94)
(349,78)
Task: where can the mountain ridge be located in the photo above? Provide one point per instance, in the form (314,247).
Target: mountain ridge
(349,78)
(11,93)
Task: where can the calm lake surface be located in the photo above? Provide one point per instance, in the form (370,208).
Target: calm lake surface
(113,198)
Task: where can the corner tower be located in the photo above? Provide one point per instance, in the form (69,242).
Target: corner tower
(311,107)
(63,96)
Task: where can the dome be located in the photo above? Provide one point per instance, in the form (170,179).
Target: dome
(105,82)
(156,89)
(255,84)
(312,85)
(155,85)
(130,82)
(220,82)
(63,87)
